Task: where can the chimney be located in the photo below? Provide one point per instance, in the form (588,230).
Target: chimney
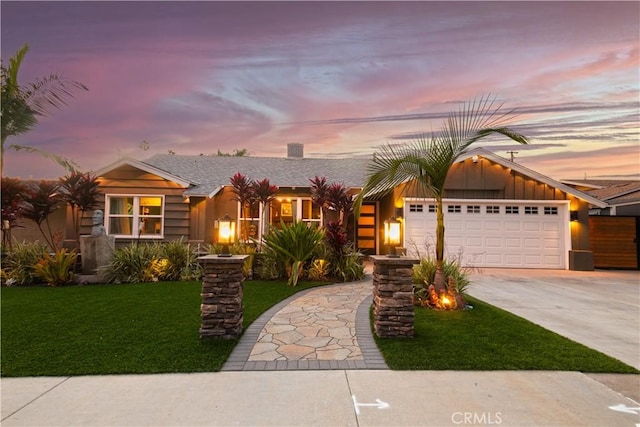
(295,150)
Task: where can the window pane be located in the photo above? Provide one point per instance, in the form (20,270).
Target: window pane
(121,206)
(120,225)
(252,211)
(150,225)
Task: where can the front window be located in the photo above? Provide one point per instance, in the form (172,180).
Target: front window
(249,222)
(310,213)
(135,216)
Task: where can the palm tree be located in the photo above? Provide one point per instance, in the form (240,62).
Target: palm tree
(21,105)
(424,163)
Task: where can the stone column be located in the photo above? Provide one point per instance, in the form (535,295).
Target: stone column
(393,314)
(221,309)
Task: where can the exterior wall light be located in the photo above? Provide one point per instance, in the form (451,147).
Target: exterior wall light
(573,216)
(226,234)
(392,235)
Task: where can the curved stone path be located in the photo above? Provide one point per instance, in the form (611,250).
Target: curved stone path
(320,328)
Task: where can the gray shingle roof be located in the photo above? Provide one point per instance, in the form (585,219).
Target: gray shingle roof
(209,173)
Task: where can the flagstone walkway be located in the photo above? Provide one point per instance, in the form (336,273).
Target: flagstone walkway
(320,328)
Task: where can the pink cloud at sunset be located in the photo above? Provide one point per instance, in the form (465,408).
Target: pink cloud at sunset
(341,77)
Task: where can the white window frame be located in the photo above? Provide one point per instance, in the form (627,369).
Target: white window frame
(135,223)
(298,215)
(242,219)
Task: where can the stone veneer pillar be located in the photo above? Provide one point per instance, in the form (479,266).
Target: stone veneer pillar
(393,314)
(221,309)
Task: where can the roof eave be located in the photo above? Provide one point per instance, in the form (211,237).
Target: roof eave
(145,167)
(533,174)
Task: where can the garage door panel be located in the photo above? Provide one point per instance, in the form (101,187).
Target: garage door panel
(497,239)
(474,242)
(512,225)
(550,226)
(454,225)
(551,243)
(532,226)
(491,225)
(474,225)
(493,242)
(513,243)
(513,260)
(532,243)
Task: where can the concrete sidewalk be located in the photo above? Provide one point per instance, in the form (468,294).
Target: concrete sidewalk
(320,398)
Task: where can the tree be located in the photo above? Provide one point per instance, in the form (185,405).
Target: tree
(12,204)
(424,163)
(264,192)
(22,105)
(243,152)
(243,189)
(41,201)
(333,197)
(80,191)
(340,201)
(320,196)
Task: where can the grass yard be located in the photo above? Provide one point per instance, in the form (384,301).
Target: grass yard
(118,329)
(488,338)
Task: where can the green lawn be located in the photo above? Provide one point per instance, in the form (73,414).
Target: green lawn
(488,338)
(118,329)
(153,328)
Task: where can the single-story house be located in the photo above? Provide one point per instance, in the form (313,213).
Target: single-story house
(499,213)
(622,195)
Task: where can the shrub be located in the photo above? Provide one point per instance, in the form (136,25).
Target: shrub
(345,261)
(266,266)
(138,262)
(424,273)
(240,248)
(291,246)
(56,270)
(151,262)
(18,265)
(351,267)
(181,261)
(319,270)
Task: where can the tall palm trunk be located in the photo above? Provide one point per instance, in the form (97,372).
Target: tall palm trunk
(439,280)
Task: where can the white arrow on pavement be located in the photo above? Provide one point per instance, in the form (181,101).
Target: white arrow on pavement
(621,407)
(379,405)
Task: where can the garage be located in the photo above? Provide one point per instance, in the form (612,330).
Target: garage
(494,233)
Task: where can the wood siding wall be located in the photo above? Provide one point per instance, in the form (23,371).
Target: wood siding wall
(614,241)
(129,180)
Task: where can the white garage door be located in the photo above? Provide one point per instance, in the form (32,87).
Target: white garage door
(494,233)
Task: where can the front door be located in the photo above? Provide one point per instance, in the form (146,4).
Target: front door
(366,229)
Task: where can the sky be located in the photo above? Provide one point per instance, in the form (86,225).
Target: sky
(343,78)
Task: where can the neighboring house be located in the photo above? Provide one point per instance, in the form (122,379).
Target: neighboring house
(622,196)
(498,212)
(615,228)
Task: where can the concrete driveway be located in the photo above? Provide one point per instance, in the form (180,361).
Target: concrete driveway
(600,309)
